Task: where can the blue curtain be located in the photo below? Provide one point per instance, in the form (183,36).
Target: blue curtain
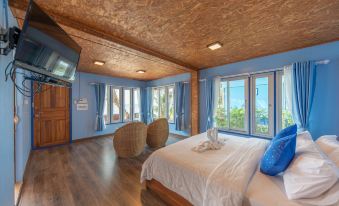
(187,107)
(143,96)
(149,104)
(179,90)
(100,92)
(209,102)
(303,81)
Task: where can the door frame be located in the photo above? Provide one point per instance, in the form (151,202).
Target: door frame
(32,121)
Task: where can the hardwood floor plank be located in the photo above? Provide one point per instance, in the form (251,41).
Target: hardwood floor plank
(86,173)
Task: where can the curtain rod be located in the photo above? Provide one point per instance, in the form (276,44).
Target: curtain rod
(326,61)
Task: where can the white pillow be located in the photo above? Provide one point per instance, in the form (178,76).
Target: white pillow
(310,174)
(330,146)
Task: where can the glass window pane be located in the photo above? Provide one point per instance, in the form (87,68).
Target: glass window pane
(237,105)
(127,105)
(221,119)
(286,104)
(261,96)
(136,104)
(171,104)
(163,105)
(116,116)
(107,105)
(155,103)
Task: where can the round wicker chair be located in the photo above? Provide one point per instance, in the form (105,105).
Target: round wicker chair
(157,133)
(130,139)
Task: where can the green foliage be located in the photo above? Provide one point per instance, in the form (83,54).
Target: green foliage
(220,118)
(237,118)
(261,118)
(287,119)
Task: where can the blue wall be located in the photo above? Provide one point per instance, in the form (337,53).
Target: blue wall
(172,80)
(324,113)
(6,126)
(23,132)
(83,122)
(324,118)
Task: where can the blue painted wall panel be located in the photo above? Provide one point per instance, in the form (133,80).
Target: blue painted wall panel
(6,125)
(23,132)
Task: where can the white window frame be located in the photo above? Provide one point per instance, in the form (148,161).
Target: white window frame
(246,96)
(279,75)
(139,103)
(166,87)
(122,104)
(271,108)
(130,104)
(111,104)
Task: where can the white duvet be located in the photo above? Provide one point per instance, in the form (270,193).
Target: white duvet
(216,177)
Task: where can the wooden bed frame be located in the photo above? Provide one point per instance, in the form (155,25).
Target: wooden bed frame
(168,196)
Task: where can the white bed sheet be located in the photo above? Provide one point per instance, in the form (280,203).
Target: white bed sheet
(267,191)
(189,169)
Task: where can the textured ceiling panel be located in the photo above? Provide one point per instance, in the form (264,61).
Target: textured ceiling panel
(120,61)
(180,30)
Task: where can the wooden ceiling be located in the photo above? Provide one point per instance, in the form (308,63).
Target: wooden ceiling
(169,37)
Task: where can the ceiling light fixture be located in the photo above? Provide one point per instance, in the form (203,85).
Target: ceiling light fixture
(99,63)
(214,46)
(141,71)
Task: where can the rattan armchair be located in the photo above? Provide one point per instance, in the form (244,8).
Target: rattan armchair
(130,139)
(157,133)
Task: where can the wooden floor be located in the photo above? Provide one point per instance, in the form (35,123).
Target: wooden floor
(86,173)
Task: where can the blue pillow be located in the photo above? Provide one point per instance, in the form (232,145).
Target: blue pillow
(286,132)
(278,155)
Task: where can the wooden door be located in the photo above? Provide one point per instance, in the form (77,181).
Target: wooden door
(51,116)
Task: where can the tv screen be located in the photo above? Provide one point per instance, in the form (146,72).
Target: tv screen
(45,48)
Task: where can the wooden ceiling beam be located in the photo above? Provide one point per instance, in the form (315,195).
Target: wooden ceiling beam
(19,9)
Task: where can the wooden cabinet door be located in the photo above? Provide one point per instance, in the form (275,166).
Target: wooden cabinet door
(51,116)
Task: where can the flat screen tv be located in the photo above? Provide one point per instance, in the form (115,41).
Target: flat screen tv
(45,48)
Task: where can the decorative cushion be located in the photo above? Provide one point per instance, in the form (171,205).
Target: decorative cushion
(278,155)
(311,173)
(286,132)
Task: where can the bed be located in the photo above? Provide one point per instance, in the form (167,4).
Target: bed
(228,176)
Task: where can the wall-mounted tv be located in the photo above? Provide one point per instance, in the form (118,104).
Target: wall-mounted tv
(45,48)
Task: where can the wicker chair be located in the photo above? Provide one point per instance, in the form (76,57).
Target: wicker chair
(157,133)
(130,139)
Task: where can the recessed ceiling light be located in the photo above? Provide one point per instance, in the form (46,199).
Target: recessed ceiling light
(214,46)
(99,63)
(141,71)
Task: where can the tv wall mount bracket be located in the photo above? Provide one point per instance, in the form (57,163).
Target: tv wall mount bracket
(9,38)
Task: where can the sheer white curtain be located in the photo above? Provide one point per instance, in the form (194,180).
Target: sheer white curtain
(288,87)
(216,97)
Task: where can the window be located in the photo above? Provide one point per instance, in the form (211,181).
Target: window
(136,105)
(155,103)
(116,105)
(170,104)
(163,102)
(127,105)
(232,109)
(107,105)
(270,103)
(262,104)
(119,104)
(284,99)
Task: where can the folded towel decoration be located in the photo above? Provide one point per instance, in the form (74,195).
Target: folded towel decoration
(212,144)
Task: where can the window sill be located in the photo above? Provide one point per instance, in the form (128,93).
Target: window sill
(245,135)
